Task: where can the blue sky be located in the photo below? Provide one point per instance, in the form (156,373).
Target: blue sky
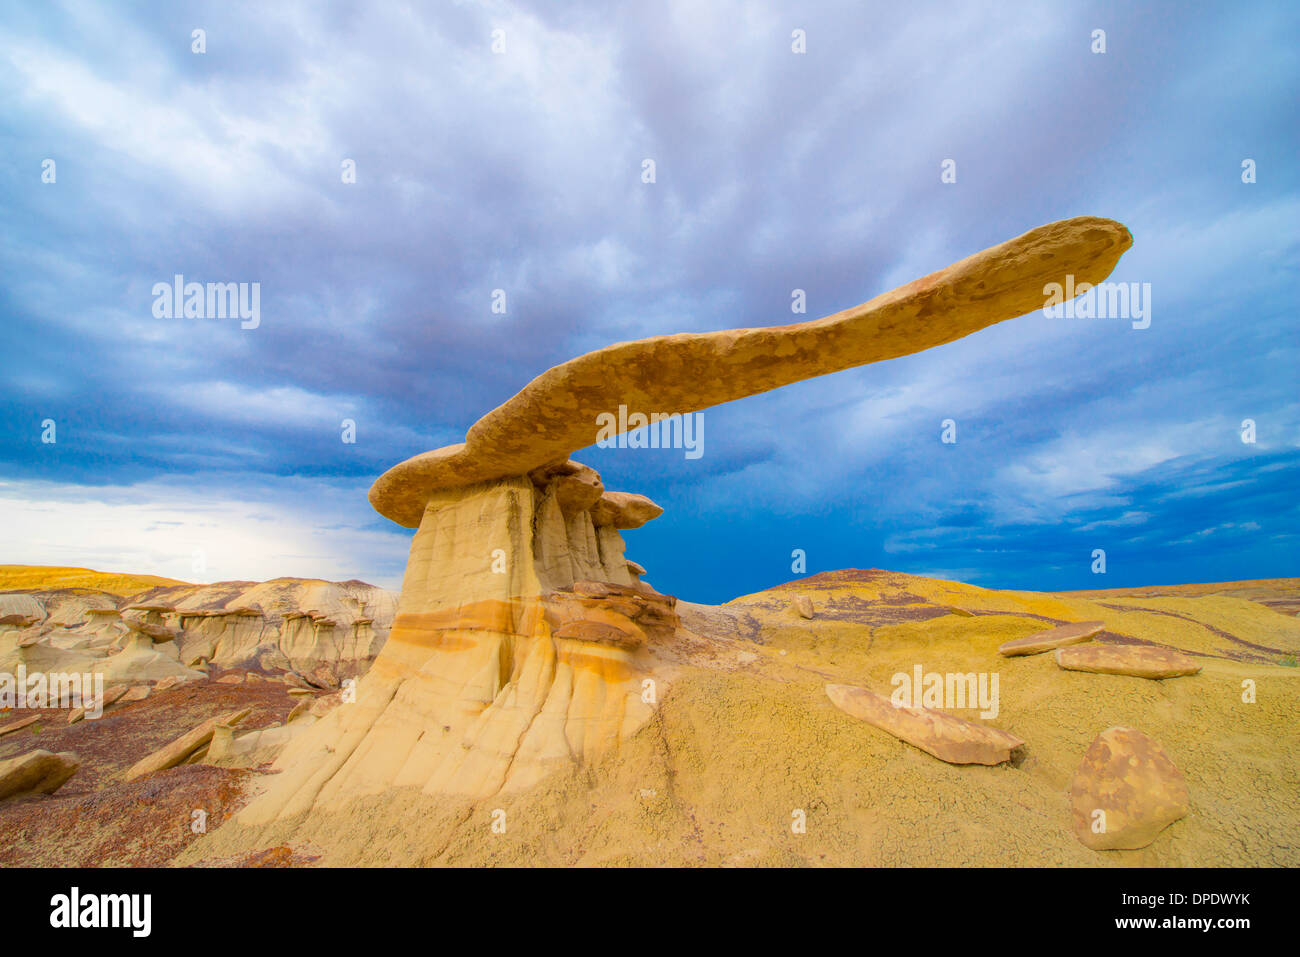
(521,171)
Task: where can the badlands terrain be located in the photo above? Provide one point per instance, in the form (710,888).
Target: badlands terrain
(530,699)
(742,742)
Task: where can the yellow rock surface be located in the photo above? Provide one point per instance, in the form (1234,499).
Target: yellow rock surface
(744,735)
(46,577)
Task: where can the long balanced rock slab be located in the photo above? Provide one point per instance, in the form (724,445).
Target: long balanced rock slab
(184,747)
(943,735)
(1138,661)
(1069,634)
(558,412)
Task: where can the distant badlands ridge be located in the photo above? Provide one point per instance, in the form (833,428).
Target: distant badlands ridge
(78,615)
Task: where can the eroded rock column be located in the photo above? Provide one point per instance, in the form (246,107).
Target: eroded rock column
(519,646)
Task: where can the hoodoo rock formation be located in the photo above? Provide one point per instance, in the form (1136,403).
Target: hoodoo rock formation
(523,640)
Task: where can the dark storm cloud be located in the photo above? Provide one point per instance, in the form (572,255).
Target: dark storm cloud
(775,171)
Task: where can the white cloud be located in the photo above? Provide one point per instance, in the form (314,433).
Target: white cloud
(302,529)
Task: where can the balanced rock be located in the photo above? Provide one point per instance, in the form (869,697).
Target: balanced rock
(560,411)
(500,668)
(943,735)
(185,747)
(1125,791)
(1139,661)
(1068,634)
(38,771)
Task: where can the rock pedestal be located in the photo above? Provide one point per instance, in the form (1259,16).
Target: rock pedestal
(519,645)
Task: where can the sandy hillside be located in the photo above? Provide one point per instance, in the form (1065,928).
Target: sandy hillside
(745,737)
(50,577)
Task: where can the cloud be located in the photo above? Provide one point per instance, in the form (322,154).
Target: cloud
(521,171)
(295,528)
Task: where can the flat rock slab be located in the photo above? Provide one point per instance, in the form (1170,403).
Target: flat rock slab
(1139,661)
(1125,791)
(19,724)
(184,747)
(1036,644)
(943,735)
(38,771)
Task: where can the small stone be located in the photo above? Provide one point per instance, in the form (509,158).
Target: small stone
(301,708)
(1052,638)
(19,724)
(1125,791)
(803,604)
(38,771)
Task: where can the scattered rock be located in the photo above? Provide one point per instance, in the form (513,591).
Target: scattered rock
(1052,638)
(1139,661)
(1125,791)
(960,612)
(943,735)
(39,771)
(234,679)
(301,708)
(75,715)
(184,747)
(803,604)
(135,693)
(170,681)
(19,724)
(114,693)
